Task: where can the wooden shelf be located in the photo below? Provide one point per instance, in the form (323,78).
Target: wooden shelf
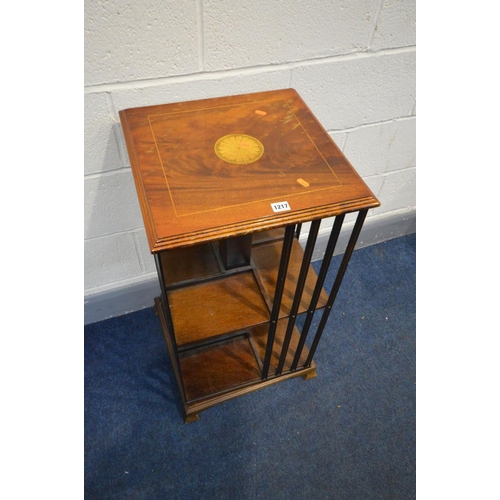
(217,307)
(232,302)
(229,367)
(221,326)
(216,368)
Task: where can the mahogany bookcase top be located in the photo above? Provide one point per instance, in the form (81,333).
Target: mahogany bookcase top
(223,167)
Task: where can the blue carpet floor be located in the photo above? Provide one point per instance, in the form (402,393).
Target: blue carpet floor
(349,433)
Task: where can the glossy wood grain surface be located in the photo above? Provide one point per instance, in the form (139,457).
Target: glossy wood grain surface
(189,195)
(218,367)
(217,307)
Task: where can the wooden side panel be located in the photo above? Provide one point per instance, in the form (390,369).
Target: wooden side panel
(266,236)
(181,264)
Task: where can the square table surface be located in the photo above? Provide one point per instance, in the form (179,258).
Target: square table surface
(216,168)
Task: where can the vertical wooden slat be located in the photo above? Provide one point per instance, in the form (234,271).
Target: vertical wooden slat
(280,284)
(306,261)
(338,280)
(330,248)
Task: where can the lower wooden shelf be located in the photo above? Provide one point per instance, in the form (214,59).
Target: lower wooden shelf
(229,367)
(216,368)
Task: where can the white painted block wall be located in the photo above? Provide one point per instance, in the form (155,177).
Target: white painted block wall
(352,61)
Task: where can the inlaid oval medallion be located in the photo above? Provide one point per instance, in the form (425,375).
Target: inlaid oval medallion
(239,149)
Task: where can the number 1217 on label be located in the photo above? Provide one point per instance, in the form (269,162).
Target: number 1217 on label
(280,206)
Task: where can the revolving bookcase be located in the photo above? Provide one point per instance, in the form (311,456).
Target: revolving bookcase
(226,186)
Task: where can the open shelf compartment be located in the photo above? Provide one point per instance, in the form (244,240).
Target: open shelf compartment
(217,307)
(234,363)
(228,302)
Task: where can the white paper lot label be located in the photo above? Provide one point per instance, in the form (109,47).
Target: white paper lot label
(280,206)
